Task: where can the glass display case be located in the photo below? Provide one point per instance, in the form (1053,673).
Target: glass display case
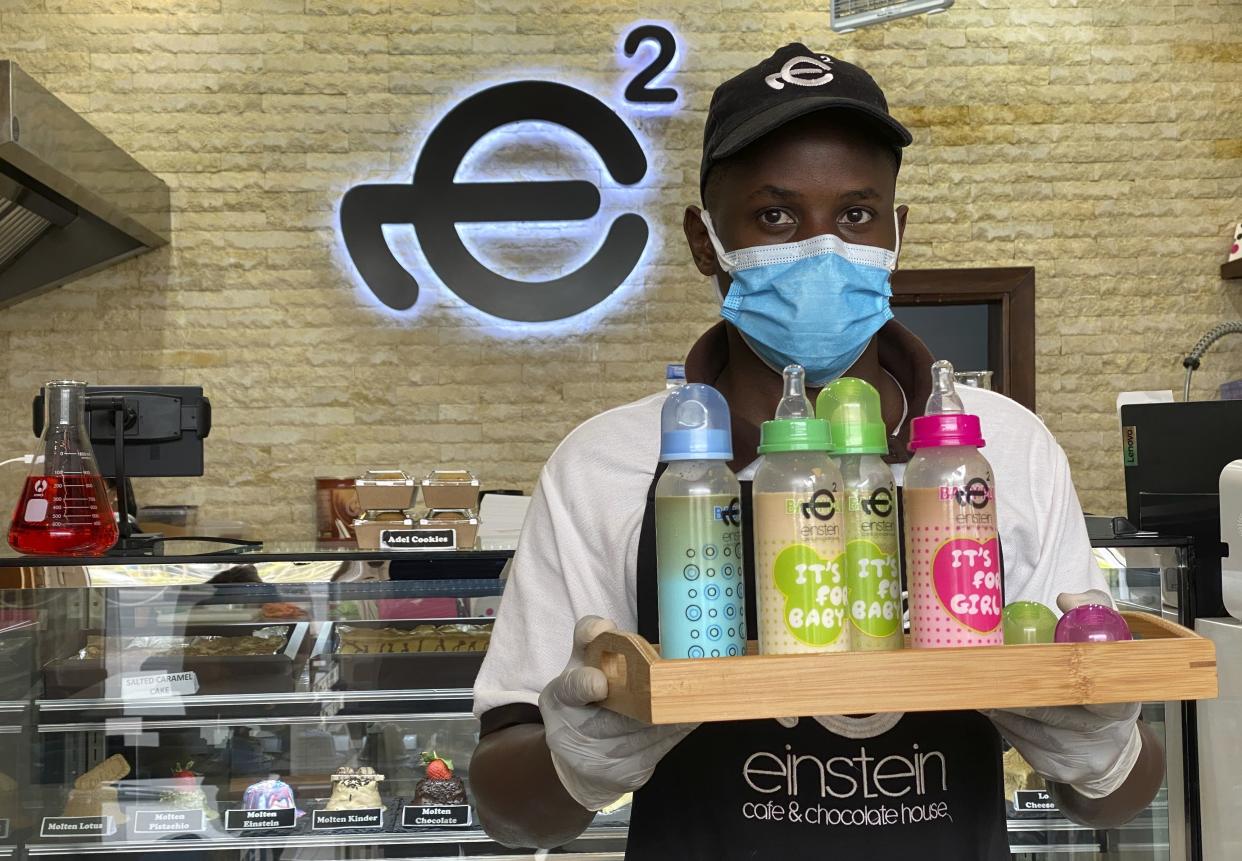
(313,702)
(289,704)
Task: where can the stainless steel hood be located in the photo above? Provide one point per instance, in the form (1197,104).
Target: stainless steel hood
(71,201)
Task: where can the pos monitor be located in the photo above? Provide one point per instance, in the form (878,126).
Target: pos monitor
(145,432)
(163,428)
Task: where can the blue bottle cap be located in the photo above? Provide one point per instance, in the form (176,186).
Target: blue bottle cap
(694,425)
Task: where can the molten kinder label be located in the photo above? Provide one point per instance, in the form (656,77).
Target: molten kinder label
(967,576)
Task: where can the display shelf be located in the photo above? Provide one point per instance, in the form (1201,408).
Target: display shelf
(1053,823)
(135,725)
(190,597)
(190,552)
(323,701)
(1066,838)
(474,837)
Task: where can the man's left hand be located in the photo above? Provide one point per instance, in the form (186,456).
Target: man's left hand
(1091,748)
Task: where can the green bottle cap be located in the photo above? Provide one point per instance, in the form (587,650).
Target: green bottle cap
(1028,622)
(794,435)
(852,407)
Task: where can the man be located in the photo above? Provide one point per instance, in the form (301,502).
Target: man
(800,163)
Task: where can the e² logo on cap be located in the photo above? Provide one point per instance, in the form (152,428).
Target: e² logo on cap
(802,72)
(434,203)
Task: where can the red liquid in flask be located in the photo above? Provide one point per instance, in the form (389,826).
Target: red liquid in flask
(66,514)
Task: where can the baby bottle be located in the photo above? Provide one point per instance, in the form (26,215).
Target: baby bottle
(799,535)
(699,529)
(872,542)
(952,548)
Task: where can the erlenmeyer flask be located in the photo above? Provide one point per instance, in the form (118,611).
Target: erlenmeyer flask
(64,507)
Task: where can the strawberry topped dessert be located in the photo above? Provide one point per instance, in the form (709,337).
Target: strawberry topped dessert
(186,790)
(440,786)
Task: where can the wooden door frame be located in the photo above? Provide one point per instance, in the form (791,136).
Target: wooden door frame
(1009,293)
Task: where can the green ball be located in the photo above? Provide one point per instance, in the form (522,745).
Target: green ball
(1028,622)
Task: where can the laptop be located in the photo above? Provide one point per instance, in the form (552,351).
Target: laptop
(1177,450)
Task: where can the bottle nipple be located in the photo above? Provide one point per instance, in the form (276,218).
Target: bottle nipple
(691,415)
(944,399)
(794,403)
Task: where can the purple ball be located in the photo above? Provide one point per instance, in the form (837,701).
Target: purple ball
(1092,623)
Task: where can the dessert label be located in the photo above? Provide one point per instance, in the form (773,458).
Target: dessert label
(77,826)
(250,820)
(169,821)
(365,817)
(440,815)
(1031,800)
(418,539)
(148,686)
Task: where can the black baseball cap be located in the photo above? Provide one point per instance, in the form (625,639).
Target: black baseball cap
(793,82)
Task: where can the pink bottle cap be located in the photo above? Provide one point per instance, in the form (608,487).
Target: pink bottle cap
(945,429)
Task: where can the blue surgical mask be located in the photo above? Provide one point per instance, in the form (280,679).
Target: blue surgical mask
(816,303)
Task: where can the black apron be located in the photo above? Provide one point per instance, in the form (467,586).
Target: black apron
(931,788)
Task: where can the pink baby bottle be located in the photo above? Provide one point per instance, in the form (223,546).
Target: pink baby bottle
(953,551)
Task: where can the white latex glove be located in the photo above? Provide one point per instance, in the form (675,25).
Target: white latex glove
(599,755)
(1092,748)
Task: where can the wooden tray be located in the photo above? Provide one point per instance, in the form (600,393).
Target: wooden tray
(1167,662)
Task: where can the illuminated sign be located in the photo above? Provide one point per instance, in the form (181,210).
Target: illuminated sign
(436,202)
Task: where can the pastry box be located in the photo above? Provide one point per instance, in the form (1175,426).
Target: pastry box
(225,659)
(399,654)
(464,524)
(451,489)
(1164,662)
(385,490)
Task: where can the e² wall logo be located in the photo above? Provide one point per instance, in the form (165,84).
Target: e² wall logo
(434,203)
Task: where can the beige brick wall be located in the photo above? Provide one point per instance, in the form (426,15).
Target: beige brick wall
(1099,140)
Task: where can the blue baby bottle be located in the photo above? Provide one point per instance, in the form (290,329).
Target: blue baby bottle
(699,529)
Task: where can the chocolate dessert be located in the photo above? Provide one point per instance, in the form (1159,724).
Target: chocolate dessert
(440,786)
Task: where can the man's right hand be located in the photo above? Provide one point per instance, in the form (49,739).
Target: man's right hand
(599,755)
